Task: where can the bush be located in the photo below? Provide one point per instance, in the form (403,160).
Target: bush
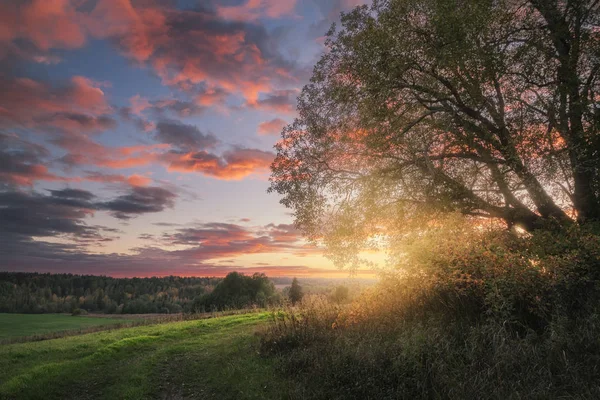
(467,313)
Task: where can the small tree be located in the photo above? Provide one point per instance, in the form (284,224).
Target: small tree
(295,292)
(340,294)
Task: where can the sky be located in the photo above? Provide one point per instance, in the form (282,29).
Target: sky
(136,135)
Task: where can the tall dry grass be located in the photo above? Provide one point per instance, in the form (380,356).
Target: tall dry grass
(494,316)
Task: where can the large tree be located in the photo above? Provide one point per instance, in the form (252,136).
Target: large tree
(487,107)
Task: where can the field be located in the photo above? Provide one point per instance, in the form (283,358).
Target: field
(13,325)
(204,359)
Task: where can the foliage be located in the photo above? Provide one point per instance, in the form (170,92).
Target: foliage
(239,291)
(296,293)
(340,294)
(51,293)
(488,108)
(467,313)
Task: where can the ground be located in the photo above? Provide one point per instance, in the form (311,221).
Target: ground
(14,325)
(203,359)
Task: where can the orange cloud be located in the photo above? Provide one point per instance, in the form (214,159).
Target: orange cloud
(138,180)
(132,180)
(272,127)
(138,30)
(233,165)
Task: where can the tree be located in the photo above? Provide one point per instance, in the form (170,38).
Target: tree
(488,108)
(296,292)
(340,294)
(237,290)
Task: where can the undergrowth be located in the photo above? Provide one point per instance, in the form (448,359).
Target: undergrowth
(467,314)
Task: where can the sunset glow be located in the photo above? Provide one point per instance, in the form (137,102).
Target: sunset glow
(136,136)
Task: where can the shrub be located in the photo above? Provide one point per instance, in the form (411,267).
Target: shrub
(466,313)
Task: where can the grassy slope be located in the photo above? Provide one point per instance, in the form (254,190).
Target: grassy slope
(214,358)
(13,325)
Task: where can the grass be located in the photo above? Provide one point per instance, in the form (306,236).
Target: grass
(16,325)
(208,359)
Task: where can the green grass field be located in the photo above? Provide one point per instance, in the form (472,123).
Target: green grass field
(203,359)
(14,325)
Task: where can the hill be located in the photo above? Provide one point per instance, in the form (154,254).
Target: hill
(215,358)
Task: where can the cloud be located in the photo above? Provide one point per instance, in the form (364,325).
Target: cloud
(70,121)
(232,165)
(46,24)
(205,246)
(30,102)
(182,136)
(140,200)
(284,233)
(23,163)
(280,101)
(200,48)
(34,214)
(216,240)
(62,213)
(83,151)
(163,107)
(251,10)
(65,113)
(208,52)
(133,180)
(272,127)
(36,256)
(74,194)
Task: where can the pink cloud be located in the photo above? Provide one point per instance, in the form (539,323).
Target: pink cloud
(139,104)
(190,48)
(132,180)
(46,23)
(31,174)
(252,10)
(232,165)
(272,127)
(32,102)
(186,48)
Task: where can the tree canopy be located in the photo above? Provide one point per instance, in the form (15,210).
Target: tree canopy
(485,107)
(237,290)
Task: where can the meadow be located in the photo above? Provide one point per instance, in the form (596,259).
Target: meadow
(18,325)
(211,358)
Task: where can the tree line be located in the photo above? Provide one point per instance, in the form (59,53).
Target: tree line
(67,293)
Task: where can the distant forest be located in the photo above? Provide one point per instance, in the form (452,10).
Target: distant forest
(36,293)
(66,293)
